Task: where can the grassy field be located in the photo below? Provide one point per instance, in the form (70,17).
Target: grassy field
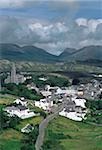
(10,140)
(34,121)
(6,99)
(76,135)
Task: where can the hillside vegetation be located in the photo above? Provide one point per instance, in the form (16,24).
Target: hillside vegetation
(64,134)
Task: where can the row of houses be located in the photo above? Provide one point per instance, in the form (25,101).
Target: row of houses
(75,109)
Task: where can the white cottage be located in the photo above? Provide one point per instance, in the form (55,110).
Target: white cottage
(20,111)
(45,104)
(21,101)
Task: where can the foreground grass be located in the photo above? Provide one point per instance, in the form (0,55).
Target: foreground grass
(75,135)
(10,140)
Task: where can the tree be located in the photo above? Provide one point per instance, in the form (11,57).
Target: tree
(14,121)
(43,114)
(75,81)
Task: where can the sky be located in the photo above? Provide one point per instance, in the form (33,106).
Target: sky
(53,25)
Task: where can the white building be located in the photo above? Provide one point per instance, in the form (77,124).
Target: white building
(46,93)
(48,88)
(73,115)
(66,91)
(44,104)
(63,90)
(21,101)
(20,111)
(79,102)
(27,129)
(76,110)
(43,79)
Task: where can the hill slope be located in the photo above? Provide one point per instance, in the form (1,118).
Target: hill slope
(67,52)
(30,53)
(86,53)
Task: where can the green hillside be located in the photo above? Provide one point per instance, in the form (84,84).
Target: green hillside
(64,134)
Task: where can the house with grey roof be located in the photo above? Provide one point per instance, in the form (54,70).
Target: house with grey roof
(20,111)
(27,129)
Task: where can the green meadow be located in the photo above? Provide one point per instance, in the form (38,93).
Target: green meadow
(10,139)
(65,134)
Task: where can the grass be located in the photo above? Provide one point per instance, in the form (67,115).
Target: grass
(6,99)
(10,140)
(34,121)
(82,136)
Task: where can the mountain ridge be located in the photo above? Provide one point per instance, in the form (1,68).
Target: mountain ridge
(30,53)
(33,53)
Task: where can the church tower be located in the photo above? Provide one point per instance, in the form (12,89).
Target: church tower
(13,74)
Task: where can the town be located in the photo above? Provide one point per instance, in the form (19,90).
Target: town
(50,74)
(45,96)
(73,97)
(48,96)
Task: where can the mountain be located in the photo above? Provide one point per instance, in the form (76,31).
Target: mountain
(29,53)
(86,53)
(67,52)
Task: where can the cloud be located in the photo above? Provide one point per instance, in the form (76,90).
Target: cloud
(89,42)
(52,36)
(91,24)
(22,3)
(11,3)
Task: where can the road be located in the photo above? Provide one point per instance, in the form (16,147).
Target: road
(43,125)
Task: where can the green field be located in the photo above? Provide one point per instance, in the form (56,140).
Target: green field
(6,99)
(34,121)
(10,139)
(64,134)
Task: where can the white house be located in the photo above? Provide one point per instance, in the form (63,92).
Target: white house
(72,115)
(75,110)
(20,111)
(58,91)
(27,129)
(43,79)
(66,91)
(45,104)
(79,102)
(48,87)
(46,93)
(21,101)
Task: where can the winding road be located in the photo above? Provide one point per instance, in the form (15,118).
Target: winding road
(43,125)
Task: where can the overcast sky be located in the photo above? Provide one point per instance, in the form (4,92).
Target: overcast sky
(51,24)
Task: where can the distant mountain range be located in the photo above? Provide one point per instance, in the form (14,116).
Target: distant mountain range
(27,53)
(83,54)
(31,53)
